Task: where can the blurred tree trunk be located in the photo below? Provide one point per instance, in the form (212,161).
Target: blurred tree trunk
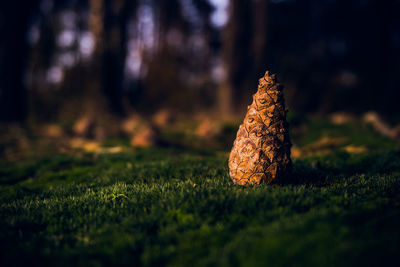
(163,82)
(14,23)
(108,23)
(235,52)
(117,15)
(40,103)
(225,99)
(385,12)
(260,18)
(244,54)
(95,99)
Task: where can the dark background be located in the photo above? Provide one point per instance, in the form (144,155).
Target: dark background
(60,59)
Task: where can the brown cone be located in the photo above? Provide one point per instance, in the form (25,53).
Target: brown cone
(261,151)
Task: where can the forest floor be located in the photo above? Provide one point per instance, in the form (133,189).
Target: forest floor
(177,206)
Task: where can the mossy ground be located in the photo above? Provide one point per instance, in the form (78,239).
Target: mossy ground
(178,207)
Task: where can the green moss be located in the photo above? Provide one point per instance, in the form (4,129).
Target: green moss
(355,133)
(178,207)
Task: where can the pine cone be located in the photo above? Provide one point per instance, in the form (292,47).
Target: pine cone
(261,151)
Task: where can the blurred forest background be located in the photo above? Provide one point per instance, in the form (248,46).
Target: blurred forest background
(96,68)
(117,118)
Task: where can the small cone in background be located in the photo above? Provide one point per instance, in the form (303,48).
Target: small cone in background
(131,123)
(163,117)
(83,125)
(340,118)
(208,128)
(261,151)
(51,131)
(96,126)
(143,133)
(145,136)
(378,123)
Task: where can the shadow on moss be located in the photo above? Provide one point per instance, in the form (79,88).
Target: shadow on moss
(323,170)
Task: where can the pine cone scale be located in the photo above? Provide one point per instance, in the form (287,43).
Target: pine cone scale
(261,151)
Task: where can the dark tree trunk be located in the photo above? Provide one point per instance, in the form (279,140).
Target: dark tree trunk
(117,14)
(108,24)
(13,54)
(244,53)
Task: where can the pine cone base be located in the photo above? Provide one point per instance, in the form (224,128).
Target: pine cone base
(261,150)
